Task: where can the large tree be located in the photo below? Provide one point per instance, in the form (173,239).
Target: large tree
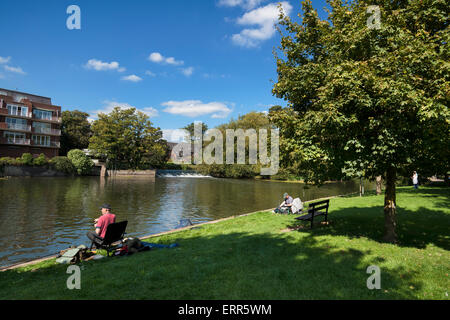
(367,99)
(75,131)
(128,139)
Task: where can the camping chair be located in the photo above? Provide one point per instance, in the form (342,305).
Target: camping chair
(114,233)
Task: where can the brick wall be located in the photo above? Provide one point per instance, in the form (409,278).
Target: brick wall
(17,151)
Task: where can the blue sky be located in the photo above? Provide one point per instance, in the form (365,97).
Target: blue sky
(178,61)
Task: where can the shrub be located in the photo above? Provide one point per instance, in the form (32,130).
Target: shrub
(40,161)
(282,174)
(27,159)
(214,170)
(62,164)
(82,163)
(240,171)
(5,161)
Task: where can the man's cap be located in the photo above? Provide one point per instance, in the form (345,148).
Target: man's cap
(106,206)
(285,195)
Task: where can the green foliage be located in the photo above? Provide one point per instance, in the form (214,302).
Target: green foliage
(236,171)
(251,120)
(27,159)
(8,161)
(214,170)
(62,164)
(364,100)
(75,131)
(40,161)
(128,140)
(190,128)
(81,162)
(241,171)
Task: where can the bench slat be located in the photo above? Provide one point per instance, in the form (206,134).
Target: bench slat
(316,209)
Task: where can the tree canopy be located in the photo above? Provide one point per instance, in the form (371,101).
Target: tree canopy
(75,131)
(365,101)
(128,139)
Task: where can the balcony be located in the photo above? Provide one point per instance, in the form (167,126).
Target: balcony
(16,141)
(14,127)
(6,112)
(53,144)
(52,119)
(53,132)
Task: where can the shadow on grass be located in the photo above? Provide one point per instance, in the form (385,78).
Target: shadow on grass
(222,266)
(416,228)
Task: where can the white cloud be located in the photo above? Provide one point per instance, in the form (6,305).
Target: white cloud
(110,105)
(149,111)
(265,19)
(159,58)
(150,74)
(4,60)
(99,65)
(246,4)
(156,57)
(14,69)
(195,108)
(215,76)
(132,78)
(187,71)
(174,135)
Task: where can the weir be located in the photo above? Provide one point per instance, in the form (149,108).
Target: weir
(179,174)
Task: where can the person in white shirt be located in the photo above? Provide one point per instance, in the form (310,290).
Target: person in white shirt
(415,179)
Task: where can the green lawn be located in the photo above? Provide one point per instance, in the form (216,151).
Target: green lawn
(253,257)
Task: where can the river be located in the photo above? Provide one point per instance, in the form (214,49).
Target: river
(40,216)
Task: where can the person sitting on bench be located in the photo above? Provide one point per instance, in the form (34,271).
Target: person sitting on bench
(285,206)
(101,224)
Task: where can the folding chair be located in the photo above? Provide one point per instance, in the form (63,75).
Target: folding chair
(115,232)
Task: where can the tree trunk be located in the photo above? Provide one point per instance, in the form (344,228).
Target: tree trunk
(361,186)
(379,180)
(390,207)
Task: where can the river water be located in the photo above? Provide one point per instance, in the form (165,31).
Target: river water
(40,216)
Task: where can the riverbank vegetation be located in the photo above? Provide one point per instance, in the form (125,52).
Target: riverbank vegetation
(76,163)
(262,256)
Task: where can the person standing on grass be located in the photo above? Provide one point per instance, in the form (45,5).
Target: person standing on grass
(101,224)
(415,179)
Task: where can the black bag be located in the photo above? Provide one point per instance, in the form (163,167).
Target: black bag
(135,245)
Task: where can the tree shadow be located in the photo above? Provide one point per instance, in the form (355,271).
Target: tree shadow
(416,228)
(236,265)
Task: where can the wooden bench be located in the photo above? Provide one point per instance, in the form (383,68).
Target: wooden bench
(319,208)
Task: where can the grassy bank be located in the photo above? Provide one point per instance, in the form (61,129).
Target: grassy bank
(256,257)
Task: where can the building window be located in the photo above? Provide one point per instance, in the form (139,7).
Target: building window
(41,140)
(14,137)
(17,110)
(18,124)
(40,127)
(42,114)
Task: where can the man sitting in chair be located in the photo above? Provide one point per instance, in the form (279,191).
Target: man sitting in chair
(285,206)
(290,205)
(101,224)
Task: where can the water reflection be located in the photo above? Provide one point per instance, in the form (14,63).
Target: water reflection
(40,216)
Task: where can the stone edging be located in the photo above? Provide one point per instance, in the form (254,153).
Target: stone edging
(24,264)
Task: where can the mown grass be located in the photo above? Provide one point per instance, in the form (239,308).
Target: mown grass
(253,257)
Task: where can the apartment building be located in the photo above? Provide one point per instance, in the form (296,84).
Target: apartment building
(28,124)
